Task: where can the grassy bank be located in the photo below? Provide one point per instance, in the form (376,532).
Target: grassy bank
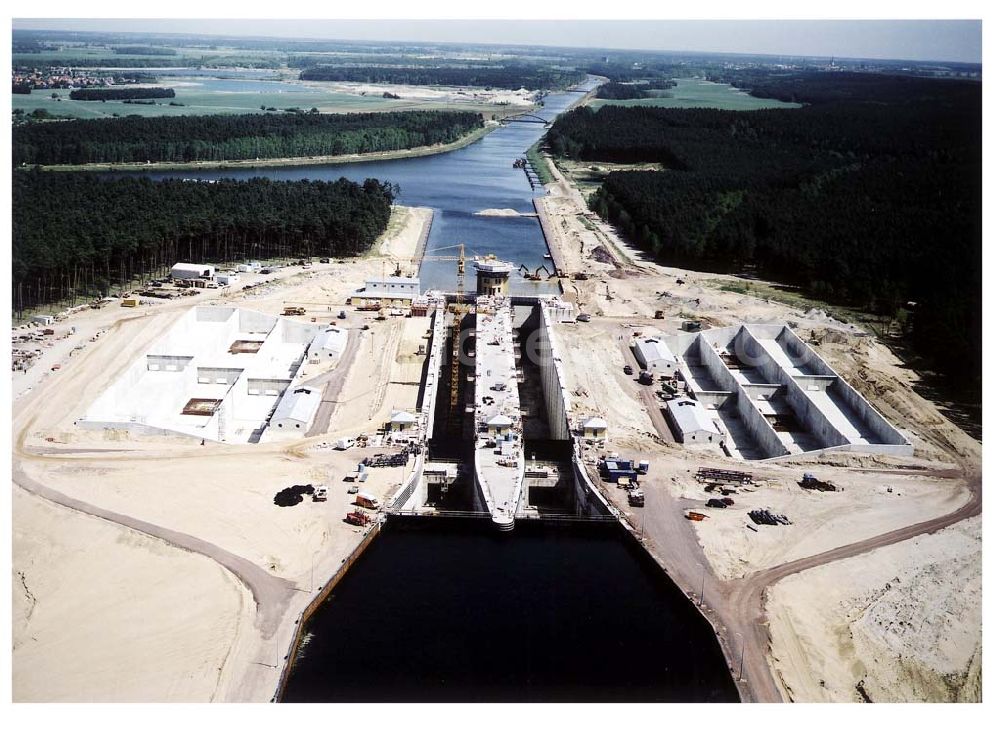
(539,162)
(280,161)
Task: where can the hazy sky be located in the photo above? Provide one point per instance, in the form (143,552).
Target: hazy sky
(940,40)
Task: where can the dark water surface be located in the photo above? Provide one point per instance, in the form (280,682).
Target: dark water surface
(456,185)
(438,611)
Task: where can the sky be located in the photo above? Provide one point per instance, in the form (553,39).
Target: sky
(924,40)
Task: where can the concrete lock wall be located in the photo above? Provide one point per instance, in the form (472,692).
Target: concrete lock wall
(557,401)
(435,360)
(808,413)
(251,321)
(874,420)
(753,420)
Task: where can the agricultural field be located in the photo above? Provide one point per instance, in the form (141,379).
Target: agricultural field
(203,95)
(697,93)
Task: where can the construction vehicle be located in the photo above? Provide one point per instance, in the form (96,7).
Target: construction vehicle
(130,302)
(809,481)
(636,498)
(293,311)
(695,516)
(658,314)
(357,518)
(628,370)
(645,378)
(319,494)
(367,500)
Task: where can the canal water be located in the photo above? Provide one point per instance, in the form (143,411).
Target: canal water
(457,185)
(453,611)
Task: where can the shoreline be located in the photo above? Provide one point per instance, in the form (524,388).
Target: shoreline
(323,593)
(425,151)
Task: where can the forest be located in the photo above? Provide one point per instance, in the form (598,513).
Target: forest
(82,235)
(867,197)
(500,77)
(234,136)
(615,90)
(118,93)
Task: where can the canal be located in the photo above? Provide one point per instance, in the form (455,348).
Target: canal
(457,185)
(450,610)
(441,610)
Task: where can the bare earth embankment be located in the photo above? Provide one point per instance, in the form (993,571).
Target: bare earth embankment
(157,569)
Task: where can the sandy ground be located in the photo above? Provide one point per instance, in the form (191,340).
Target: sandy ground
(106,582)
(212,573)
(904,622)
(623,292)
(450,94)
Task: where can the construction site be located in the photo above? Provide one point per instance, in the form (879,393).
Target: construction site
(303,410)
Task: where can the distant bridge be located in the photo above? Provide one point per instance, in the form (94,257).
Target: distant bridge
(529,118)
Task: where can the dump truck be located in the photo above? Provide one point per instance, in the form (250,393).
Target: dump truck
(293,311)
(131,302)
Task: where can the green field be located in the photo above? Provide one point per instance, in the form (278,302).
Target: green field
(690,93)
(200,100)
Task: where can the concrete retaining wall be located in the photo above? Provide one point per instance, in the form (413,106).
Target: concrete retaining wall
(557,398)
(752,419)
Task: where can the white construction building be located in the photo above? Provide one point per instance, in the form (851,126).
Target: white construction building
(654,355)
(691,422)
(192,271)
(328,344)
(295,412)
(390,291)
(216,373)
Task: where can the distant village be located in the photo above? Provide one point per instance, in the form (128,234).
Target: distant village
(25,80)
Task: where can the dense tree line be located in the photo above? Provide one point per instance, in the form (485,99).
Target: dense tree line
(21,89)
(22,62)
(869,203)
(117,93)
(500,77)
(81,234)
(615,90)
(234,136)
(815,87)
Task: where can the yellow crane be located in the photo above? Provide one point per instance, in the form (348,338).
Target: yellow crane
(458,310)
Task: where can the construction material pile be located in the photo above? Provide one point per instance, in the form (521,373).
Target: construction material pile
(767,517)
(723,476)
(386,460)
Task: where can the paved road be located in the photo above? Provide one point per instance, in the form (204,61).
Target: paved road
(648,395)
(334,384)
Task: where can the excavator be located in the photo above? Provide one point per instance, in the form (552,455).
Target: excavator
(536,275)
